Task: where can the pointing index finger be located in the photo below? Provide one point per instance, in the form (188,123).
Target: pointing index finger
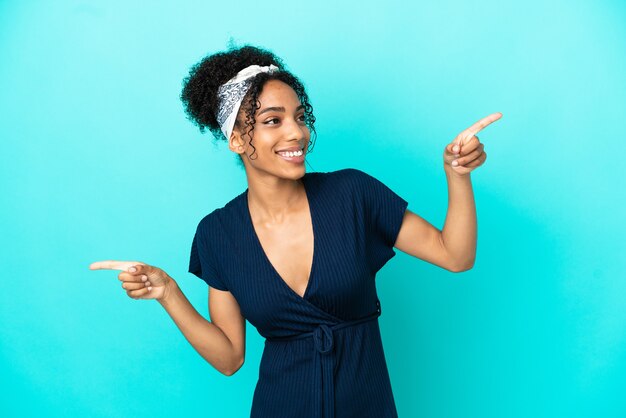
(483,123)
(113,265)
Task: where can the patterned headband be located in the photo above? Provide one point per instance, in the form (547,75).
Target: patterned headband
(231,94)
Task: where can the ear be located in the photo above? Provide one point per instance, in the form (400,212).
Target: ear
(236,143)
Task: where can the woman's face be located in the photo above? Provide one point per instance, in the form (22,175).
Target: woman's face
(280,125)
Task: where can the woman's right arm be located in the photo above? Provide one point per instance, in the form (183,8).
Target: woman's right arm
(223,347)
(221,342)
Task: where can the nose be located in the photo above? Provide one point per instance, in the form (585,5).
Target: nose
(296,130)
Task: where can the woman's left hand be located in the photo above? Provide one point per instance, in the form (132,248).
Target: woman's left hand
(466,152)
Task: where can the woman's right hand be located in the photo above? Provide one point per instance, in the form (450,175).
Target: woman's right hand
(141,280)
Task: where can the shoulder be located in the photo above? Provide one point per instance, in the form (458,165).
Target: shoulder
(370,189)
(208,220)
(353,179)
(344,176)
(352,175)
(213,219)
(345,182)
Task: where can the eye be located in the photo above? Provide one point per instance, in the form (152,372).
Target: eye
(303,117)
(270,120)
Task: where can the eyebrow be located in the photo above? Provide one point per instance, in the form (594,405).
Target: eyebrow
(278,109)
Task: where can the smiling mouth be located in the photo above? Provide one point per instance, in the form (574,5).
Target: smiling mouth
(293,157)
(291,153)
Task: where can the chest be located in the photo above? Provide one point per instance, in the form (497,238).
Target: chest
(314,266)
(289,248)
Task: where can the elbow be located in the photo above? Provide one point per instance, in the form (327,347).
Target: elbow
(455,264)
(460,270)
(461,267)
(232,370)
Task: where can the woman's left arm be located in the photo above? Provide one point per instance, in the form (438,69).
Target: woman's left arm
(459,230)
(453,248)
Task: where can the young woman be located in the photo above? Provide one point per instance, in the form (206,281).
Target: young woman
(296,253)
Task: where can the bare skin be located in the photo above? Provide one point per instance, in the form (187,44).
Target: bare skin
(454,247)
(278,206)
(276,197)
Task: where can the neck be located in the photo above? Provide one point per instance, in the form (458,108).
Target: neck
(271,201)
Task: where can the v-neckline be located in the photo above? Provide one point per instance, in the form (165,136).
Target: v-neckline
(260,246)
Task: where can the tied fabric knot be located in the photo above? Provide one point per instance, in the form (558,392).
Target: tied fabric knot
(324,367)
(231,94)
(324,362)
(323,339)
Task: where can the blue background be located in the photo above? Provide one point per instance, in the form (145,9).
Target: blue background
(98,162)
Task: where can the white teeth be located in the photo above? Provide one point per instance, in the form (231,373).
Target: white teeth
(291,154)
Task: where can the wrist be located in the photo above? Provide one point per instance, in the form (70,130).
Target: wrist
(171,287)
(451,174)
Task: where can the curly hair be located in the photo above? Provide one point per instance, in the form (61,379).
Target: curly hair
(199,93)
